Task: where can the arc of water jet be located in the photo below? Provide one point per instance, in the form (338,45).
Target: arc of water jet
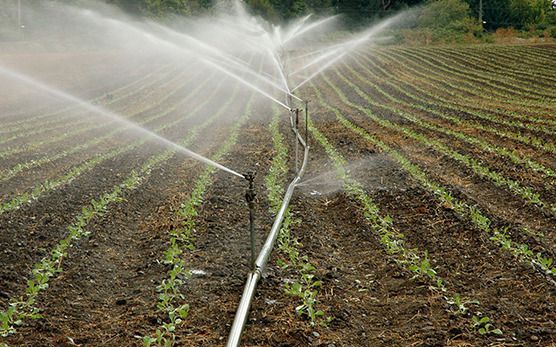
(109,114)
(231,59)
(207,61)
(318,51)
(324,67)
(231,74)
(296,28)
(350,45)
(309,28)
(266,80)
(280,69)
(171,44)
(213,50)
(315,61)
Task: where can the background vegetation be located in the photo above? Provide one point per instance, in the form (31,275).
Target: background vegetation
(435,21)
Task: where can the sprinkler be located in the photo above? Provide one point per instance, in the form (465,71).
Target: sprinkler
(250,197)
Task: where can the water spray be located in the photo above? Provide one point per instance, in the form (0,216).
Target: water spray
(111,115)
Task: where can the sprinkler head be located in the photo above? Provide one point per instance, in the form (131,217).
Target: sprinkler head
(250,176)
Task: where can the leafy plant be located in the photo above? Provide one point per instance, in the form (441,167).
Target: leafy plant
(423,268)
(461,304)
(484,326)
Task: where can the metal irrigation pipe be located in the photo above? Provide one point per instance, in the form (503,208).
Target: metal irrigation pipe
(260,264)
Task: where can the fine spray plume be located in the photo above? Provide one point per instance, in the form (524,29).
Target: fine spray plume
(69,56)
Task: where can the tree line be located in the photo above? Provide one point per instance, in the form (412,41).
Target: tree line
(519,14)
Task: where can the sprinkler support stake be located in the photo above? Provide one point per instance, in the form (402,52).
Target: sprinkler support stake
(250,197)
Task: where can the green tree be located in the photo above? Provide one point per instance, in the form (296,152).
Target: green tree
(163,7)
(445,14)
(263,8)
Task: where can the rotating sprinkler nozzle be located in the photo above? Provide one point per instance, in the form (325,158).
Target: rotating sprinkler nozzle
(250,196)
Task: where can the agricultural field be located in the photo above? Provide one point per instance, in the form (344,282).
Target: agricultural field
(426,217)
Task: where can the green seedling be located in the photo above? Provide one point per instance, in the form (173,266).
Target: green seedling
(484,326)
(460,304)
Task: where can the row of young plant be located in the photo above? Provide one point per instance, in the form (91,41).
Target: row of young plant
(426,97)
(546,52)
(305,285)
(513,155)
(519,94)
(535,51)
(516,55)
(24,307)
(19,168)
(497,89)
(39,129)
(171,300)
(500,236)
(69,126)
(109,97)
(483,97)
(527,193)
(50,185)
(484,102)
(393,241)
(483,70)
(86,124)
(501,67)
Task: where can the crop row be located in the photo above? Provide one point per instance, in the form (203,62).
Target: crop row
(505,80)
(182,239)
(87,123)
(527,193)
(305,286)
(459,93)
(50,185)
(539,69)
(499,235)
(513,155)
(48,159)
(25,306)
(428,71)
(519,95)
(393,241)
(423,98)
(532,56)
(171,300)
(500,67)
(126,90)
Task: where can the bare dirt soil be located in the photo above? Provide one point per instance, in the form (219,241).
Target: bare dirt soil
(105,293)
